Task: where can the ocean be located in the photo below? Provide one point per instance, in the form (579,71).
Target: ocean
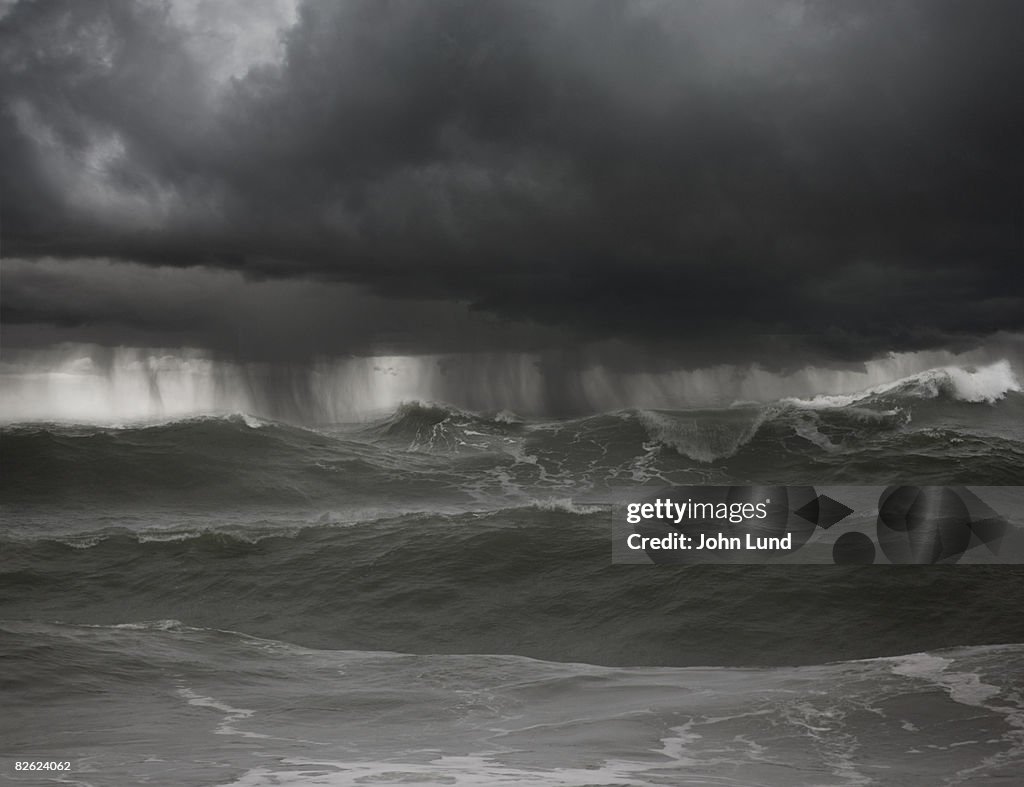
(429,598)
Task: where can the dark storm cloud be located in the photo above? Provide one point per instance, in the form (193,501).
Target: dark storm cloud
(280,320)
(719,180)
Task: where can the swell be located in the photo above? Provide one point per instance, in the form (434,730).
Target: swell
(141,647)
(196,462)
(527,581)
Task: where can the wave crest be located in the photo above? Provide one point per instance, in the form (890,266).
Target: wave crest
(434,426)
(983,384)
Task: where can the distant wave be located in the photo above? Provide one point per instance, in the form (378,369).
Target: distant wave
(713,435)
(988,384)
(83,429)
(426,426)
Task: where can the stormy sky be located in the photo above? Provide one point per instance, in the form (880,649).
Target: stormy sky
(684,183)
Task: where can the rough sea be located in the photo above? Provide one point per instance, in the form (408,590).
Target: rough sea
(429,598)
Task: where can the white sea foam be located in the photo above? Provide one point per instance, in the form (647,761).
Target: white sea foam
(967,688)
(566,505)
(230,715)
(457,771)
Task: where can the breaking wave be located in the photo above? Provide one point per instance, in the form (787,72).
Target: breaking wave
(987,384)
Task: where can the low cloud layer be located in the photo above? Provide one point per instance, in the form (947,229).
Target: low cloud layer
(785,182)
